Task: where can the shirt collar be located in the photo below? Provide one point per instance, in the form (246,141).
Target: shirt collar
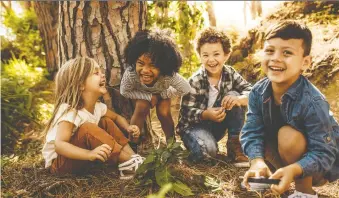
(292,91)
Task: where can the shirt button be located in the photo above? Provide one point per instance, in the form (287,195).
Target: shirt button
(328,139)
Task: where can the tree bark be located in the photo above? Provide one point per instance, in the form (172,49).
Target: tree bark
(101,30)
(211,14)
(48,18)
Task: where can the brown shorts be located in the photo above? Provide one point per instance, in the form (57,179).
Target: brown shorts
(273,160)
(90,136)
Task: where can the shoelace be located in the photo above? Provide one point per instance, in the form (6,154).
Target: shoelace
(134,162)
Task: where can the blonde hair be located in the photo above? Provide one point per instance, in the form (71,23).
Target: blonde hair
(69,80)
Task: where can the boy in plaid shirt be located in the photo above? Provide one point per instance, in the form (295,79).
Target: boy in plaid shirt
(217,102)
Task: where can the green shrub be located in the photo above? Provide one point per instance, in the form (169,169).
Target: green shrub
(17,78)
(25,41)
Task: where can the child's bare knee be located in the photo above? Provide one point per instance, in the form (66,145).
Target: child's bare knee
(291,141)
(142,107)
(164,113)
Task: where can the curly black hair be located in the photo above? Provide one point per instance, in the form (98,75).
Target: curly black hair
(213,35)
(160,47)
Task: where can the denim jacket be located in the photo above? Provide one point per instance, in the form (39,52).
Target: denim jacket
(303,108)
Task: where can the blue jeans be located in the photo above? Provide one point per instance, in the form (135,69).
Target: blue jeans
(201,139)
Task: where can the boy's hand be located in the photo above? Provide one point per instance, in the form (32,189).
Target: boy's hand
(258,168)
(154,100)
(228,102)
(133,131)
(216,114)
(286,176)
(101,153)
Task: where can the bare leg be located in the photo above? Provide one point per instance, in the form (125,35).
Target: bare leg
(291,151)
(142,109)
(126,153)
(165,118)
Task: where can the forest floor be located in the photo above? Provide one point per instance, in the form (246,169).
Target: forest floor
(24,175)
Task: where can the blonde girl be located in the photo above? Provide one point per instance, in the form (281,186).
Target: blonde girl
(82,129)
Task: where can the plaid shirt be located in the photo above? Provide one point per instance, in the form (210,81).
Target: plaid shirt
(195,102)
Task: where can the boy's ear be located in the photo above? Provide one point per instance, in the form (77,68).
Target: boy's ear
(307,62)
(227,56)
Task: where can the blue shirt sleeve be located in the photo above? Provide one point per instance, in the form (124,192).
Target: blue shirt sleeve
(321,145)
(252,135)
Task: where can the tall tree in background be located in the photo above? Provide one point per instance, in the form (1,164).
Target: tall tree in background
(255,8)
(211,14)
(101,30)
(185,19)
(48,18)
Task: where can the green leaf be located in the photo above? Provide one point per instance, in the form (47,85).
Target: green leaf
(176,145)
(145,167)
(164,156)
(182,188)
(162,192)
(162,176)
(150,158)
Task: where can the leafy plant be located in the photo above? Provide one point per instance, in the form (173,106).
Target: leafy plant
(185,19)
(17,80)
(25,42)
(162,192)
(156,168)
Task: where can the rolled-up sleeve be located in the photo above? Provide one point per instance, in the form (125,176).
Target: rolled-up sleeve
(321,145)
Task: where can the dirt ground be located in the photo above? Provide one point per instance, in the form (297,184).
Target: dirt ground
(23,174)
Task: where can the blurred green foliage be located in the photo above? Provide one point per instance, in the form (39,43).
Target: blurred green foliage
(185,20)
(25,42)
(16,98)
(22,69)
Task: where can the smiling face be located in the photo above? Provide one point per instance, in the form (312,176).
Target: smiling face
(283,60)
(213,58)
(148,73)
(96,82)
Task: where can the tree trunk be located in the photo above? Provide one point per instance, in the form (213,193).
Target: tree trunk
(101,30)
(211,14)
(48,18)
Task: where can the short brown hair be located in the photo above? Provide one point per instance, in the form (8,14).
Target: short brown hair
(212,35)
(291,30)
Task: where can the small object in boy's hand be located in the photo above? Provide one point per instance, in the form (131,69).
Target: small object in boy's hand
(259,184)
(263,180)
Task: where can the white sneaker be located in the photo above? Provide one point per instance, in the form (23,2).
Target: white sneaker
(297,194)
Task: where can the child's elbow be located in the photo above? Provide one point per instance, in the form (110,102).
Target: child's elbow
(58,146)
(123,92)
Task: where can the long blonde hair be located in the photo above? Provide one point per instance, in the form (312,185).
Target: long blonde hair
(69,80)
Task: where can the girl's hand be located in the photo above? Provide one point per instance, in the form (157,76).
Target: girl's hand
(216,114)
(258,168)
(133,131)
(228,102)
(101,153)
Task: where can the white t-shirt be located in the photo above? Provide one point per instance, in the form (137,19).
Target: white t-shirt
(48,151)
(213,94)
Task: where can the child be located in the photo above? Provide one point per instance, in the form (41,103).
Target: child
(216,102)
(74,139)
(289,125)
(152,79)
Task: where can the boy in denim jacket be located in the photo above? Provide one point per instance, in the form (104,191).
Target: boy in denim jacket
(289,124)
